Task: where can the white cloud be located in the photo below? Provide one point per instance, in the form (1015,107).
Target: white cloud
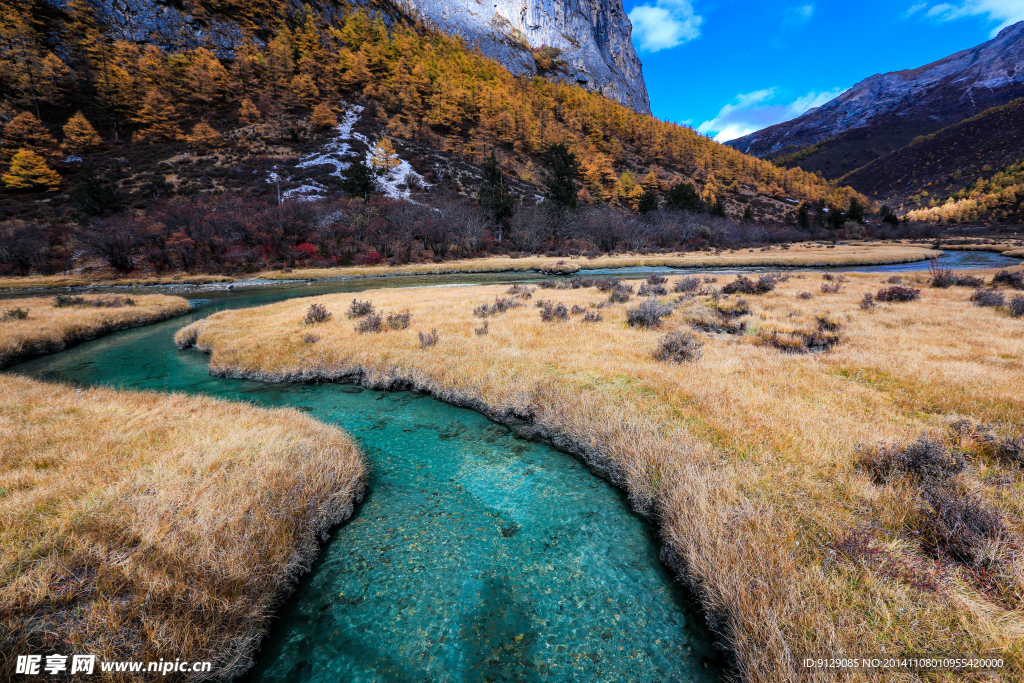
(753,111)
(1006,12)
(796,16)
(911,11)
(664,24)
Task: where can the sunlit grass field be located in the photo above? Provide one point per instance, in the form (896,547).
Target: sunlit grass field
(35,326)
(141,526)
(781,460)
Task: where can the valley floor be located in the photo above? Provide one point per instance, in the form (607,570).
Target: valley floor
(141,526)
(833,477)
(804,254)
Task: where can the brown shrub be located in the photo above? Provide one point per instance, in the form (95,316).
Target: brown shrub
(678,347)
(317,313)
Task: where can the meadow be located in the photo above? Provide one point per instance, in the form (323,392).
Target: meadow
(832,461)
(142,526)
(35,326)
(804,254)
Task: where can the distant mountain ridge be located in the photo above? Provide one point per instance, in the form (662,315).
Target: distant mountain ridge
(887,111)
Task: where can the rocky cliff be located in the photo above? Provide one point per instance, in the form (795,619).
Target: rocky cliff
(577,41)
(888,110)
(587,42)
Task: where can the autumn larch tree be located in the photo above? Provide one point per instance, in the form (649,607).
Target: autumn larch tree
(27,132)
(80,136)
(204,135)
(29,172)
(158,119)
(384,158)
(323,118)
(248,113)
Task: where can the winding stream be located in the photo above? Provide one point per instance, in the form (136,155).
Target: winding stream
(476,556)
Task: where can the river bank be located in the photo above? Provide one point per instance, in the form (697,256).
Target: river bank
(750,458)
(805,254)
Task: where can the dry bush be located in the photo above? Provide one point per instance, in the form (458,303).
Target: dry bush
(606,284)
(897,294)
(867,302)
(109,301)
(1016,306)
(686,285)
(310,338)
(358,309)
(14,314)
(520,292)
(988,298)
(577,310)
(500,305)
(958,523)
(592,317)
(317,313)
(648,314)
(552,312)
(1014,280)
(651,290)
(370,323)
(805,296)
(620,294)
(926,459)
(744,285)
(831,288)
(137,525)
(482,330)
(549,284)
(656,280)
(678,347)
(821,336)
(399,321)
(428,339)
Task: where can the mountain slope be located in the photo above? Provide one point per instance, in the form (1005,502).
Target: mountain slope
(418,85)
(887,111)
(936,166)
(585,43)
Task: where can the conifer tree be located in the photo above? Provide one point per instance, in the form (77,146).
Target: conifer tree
(27,132)
(248,113)
(204,135)
(683,197)
(29,172)
(303,89)
(803,216)
(384,158)
(323,118)
(359,179)
(158,119)
(560,177)
(495,196)
(79,135)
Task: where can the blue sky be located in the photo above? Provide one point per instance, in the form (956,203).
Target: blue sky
(730,67)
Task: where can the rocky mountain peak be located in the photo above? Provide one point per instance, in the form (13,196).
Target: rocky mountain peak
(932,96)
(588,43)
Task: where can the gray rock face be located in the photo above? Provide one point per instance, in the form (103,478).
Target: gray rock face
(936,95)
(593,38)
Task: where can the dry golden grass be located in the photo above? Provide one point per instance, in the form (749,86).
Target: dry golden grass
(747,458)
(807,254)
(140,526)
(103,278)
(804,254)
(48,328)
(1006,246)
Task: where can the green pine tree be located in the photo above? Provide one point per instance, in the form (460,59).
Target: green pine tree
(495,196)
(560,178)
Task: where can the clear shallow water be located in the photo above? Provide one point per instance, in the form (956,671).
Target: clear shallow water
(476,556)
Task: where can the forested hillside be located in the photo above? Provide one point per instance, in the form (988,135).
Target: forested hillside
(997,199)
(933,168)
(96,125)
